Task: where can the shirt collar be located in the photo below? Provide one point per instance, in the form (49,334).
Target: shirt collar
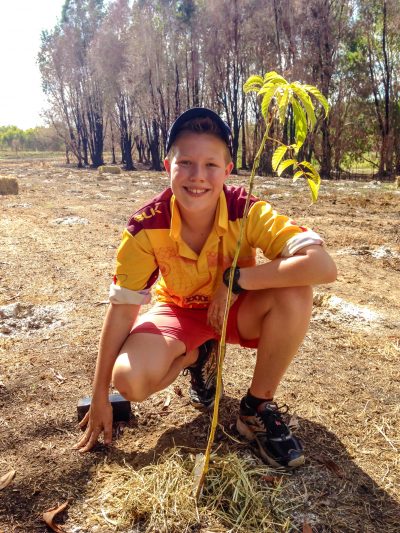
(176,222)
(221,217)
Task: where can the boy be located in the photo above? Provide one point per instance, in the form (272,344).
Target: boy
(188,235)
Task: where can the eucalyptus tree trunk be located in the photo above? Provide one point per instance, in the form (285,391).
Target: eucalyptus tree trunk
(113,159)
(244,140)
(94,114)
(326,160)
(153,139)
(125,131)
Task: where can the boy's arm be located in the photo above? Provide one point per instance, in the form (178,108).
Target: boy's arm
(311,265)
(117,325)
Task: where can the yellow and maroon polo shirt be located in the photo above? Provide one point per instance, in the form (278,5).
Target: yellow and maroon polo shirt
(152,249)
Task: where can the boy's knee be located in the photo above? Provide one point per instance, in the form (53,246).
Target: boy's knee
(127,382)
(295,297)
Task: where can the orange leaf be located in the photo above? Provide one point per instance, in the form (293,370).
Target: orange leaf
(330,465)
(6,479)
(307,528)
(275,480)
(48,517)
(178,391)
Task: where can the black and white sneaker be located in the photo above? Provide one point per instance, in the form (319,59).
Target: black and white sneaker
(203,376)
(266,428)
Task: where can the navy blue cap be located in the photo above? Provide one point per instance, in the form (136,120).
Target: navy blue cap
(199,112)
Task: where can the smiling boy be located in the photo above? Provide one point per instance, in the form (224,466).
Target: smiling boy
(186,237)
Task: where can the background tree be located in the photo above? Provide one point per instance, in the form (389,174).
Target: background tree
(127,69)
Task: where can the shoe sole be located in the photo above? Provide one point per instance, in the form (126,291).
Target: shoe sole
(201,406)
(249,435)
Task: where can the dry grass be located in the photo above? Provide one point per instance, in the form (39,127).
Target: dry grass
(343,386)
(239,495)
(351,429)
(104,169)
(8,185)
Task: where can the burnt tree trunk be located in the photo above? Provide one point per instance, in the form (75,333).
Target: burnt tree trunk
(113,159)
(244,140)
(154,141)
(326,161)
(126,135)
(95,130)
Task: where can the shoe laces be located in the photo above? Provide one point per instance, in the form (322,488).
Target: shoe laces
(271,417)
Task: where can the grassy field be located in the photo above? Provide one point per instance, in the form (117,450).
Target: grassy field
(23,154)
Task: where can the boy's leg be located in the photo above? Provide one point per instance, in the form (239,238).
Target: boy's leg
(148,363)
(279,318)
(163,342)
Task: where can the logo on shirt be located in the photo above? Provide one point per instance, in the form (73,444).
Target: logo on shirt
(147,213)
(196,298)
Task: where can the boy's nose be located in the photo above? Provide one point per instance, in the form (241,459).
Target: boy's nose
(196,173)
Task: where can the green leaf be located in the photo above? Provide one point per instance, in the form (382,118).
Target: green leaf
(277,156)
(300,121)
(272,83)
(295,148)
(314,190)
(267,86)
(311,168)
(285,164)
(283,100)
(274,77)
(319,96)
(268,95)
(306,101)
(298,175)
(316,179)
(253,84)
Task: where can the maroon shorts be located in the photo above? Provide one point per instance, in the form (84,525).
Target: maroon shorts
(190,325)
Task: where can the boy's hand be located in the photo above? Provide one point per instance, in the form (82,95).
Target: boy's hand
(98,419)
(215,315)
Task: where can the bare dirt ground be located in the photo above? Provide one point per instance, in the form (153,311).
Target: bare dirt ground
(58,239)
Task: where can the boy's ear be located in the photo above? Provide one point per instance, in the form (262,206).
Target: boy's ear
(167,165)
(228,169)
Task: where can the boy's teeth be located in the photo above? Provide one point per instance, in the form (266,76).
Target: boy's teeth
(196,191)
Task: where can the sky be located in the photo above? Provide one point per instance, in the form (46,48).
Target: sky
(21,23)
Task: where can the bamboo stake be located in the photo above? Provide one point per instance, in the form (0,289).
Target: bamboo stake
(222,342)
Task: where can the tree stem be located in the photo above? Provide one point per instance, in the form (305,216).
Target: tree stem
(222,342)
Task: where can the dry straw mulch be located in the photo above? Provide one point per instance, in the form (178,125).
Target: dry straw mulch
(240,494)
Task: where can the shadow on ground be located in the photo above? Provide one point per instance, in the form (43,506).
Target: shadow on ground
(332,492)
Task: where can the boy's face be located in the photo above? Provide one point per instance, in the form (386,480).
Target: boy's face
(198,171)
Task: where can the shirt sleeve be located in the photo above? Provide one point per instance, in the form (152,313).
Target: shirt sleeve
(276,235)
(136,270)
